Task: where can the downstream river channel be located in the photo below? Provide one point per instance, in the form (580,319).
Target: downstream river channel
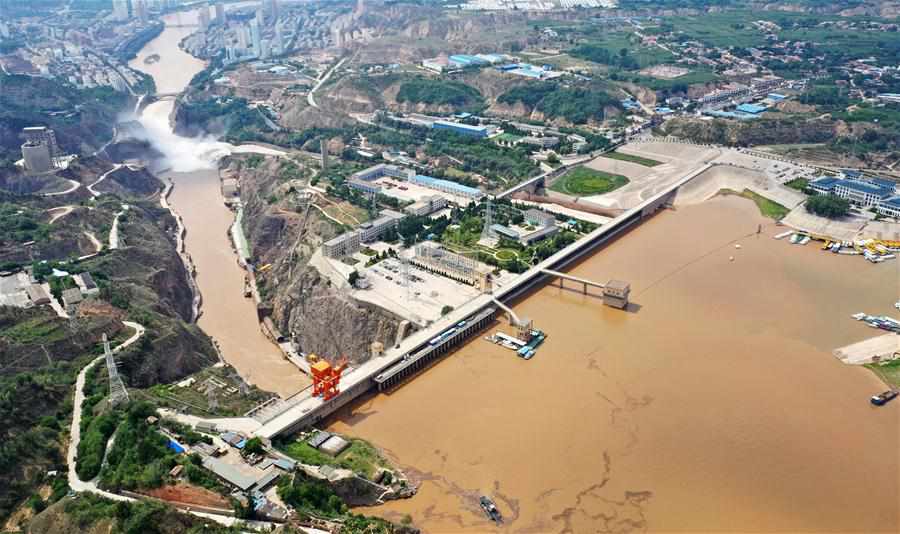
(716,405)
(226,315)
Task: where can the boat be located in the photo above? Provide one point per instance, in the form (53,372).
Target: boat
(804,240)
(782,235)
(883,398)
(897,304)
(490,509)
(247,291)
(859,316)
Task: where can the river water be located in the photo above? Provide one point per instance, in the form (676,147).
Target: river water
(716,406)
(226,315)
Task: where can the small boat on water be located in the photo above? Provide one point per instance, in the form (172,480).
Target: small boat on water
(782,235)
(247,290)
(859,316)
(490,509)
(884,398)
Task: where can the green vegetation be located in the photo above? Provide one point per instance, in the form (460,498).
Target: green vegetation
(582,181)
(646,162)
(231,116)
(800,184)
(139,456)
(80,117)
(88,511)
(440,92)
(360,457)
(828,206)
(768,208)
(313,497)
(577,105)
(887,371)
(622,50)
(20,224)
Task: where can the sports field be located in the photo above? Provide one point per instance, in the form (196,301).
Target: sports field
(582,181)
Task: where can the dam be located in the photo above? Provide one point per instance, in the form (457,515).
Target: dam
(397,364)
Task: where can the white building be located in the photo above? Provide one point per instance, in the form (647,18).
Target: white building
(342,245)
(388,220)
(427,205)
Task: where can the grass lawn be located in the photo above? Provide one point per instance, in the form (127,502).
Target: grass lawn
(768,208)
(506,254)
(799,184)
(889,372)
(360,457)
(646,162)
(582,181)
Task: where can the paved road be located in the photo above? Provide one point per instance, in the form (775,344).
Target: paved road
(74,187)
(75,437)
(114,231)
(103,176)
(310,97)
(75,433)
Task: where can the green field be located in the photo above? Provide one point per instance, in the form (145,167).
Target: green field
(582,181)
(646,162)
(360,457)
(800,184)
(768,208)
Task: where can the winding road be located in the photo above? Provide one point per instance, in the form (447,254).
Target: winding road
(310,97)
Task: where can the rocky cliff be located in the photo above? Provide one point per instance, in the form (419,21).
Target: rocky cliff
(324,319)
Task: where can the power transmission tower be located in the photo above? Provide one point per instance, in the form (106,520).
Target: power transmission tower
(486,232)
(117,391)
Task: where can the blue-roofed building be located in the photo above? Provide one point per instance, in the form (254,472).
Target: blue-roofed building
(753,109)
(860,192)
(851,174)
(503,231)
(460,128)
(824,185)
(775,97)
(662,110)
(889,207)
(447,186)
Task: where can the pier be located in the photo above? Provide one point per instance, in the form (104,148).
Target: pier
(399,363)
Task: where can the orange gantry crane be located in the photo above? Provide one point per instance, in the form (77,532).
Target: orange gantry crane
(327,378)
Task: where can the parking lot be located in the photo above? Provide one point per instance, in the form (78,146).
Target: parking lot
(419,301)
(406,191)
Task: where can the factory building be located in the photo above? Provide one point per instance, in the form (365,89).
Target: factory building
(433,258)
(342,245)
(426,205)
(460,128)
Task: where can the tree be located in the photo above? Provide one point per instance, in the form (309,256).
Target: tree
(445,310)
(828,206)
(254,445)
(553,159)
(353,277)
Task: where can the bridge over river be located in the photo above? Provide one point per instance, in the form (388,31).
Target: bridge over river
(421,348)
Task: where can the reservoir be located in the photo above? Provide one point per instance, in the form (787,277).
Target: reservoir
(715,406)
(227,316)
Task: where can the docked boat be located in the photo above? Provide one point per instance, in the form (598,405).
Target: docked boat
(859,316)
(247,291)
(490,509)
(782,235)
(884,398)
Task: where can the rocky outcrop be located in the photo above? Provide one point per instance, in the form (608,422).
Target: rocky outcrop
(750,133)
(322,318)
